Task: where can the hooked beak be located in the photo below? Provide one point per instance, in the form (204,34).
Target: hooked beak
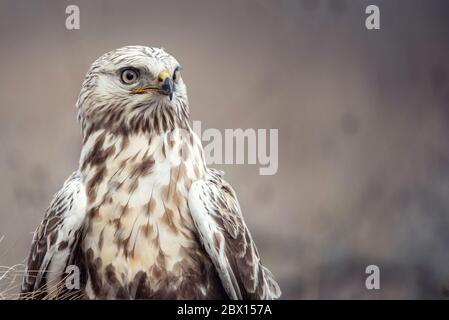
(164,85)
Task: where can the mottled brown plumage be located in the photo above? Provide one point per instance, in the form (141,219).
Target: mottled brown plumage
(143,217)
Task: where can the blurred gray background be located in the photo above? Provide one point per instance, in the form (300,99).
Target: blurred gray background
(363,119)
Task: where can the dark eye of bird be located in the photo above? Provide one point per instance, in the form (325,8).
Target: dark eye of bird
(129,76)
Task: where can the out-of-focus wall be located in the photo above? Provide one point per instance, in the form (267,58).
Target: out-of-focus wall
(362,115)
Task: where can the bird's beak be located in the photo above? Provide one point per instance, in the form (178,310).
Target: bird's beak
(164,85)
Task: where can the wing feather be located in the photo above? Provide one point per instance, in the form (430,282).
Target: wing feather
(225,237)
(55,241)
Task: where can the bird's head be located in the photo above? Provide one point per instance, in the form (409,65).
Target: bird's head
(133,88)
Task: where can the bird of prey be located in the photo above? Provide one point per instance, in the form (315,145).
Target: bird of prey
(143,217)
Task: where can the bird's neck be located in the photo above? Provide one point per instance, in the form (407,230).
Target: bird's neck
(142,120)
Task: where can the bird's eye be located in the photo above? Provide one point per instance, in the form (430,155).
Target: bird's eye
(129,76)
(177,74)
